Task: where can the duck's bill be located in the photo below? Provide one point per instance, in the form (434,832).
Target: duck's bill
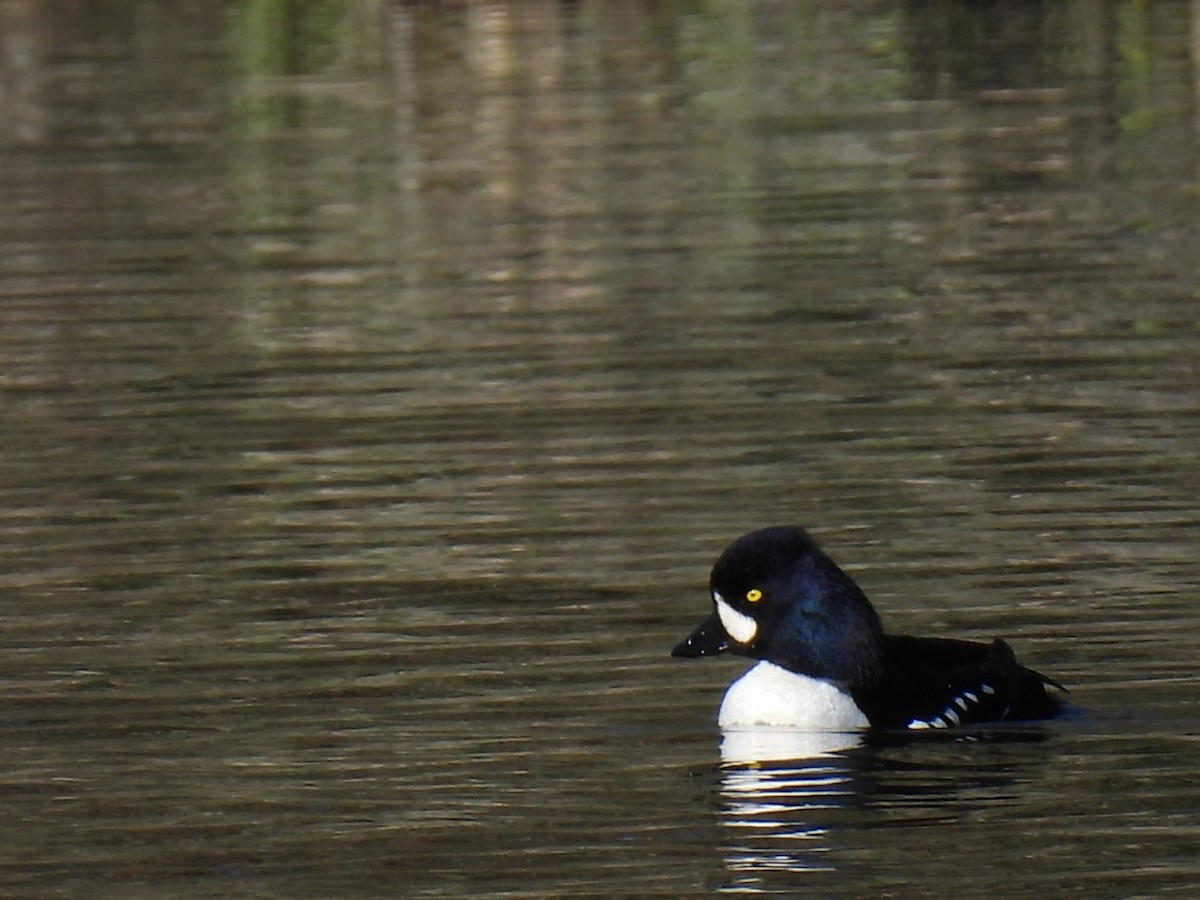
(706,640)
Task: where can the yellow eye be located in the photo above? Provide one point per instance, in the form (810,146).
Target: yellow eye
(753,595)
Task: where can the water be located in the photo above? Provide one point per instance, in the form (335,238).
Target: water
(380,383)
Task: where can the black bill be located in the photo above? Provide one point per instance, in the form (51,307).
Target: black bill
(706,640)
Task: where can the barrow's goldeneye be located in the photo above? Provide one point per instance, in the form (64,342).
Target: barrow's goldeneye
(826,663)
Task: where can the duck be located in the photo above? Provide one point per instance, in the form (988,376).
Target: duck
(825,663)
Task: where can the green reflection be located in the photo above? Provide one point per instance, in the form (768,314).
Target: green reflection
(273,39)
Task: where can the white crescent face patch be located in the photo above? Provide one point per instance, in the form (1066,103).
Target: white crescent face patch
(741,627)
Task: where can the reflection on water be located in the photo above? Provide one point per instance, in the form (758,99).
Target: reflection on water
(790,821)
(773,816)
(380,380)
(774,782)
(752,745)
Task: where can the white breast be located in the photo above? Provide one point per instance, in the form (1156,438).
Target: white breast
(770,695)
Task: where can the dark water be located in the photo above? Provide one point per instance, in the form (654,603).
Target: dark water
(379,382)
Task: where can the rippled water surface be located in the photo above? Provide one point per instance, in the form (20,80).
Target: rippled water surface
(380,380)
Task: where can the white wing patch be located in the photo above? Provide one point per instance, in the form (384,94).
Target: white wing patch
(950,716)
(741,627)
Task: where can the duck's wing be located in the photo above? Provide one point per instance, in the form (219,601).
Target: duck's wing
(936,683)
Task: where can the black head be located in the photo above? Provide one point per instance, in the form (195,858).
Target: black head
(778,597)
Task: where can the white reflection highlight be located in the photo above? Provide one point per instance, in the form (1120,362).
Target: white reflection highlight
(777,786)
(754,745)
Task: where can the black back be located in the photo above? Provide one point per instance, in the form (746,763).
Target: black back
(943,683)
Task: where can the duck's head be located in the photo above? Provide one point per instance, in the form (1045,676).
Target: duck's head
(777,596)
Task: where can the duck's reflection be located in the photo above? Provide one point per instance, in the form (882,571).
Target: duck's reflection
(752,746)
(786,795)
(776,786)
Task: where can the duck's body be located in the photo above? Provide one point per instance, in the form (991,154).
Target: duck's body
(826,663)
